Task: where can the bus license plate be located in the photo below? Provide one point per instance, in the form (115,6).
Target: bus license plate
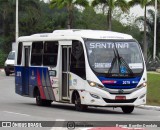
(120,98)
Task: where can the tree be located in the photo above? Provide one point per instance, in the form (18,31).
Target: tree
(69,5)
(88,19)
(143,4)
(7,18)
(6,13)
(29,15)
(150,26)
(111,4)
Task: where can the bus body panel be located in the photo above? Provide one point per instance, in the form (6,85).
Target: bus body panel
(19,80)
(38,77)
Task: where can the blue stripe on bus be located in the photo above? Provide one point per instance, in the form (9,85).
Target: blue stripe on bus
(120,83)
(44,81)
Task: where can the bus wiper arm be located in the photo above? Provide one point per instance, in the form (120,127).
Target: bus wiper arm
(113,62)
(126,65)
(120,61)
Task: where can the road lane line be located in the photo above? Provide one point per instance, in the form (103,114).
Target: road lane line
(16,113)
(60,119)
(59,128)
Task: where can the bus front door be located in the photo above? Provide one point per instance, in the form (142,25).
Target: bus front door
(25,74)
(66,51)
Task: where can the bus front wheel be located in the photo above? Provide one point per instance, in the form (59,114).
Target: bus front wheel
(127,109)
(41,102)
(78,105)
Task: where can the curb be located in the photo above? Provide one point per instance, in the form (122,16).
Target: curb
(148,107)
(153,72)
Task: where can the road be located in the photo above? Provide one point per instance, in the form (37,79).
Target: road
(14,107)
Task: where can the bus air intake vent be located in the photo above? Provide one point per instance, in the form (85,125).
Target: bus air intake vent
(119,101)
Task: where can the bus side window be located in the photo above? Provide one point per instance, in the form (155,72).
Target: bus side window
(36,55)
(77,65)
(50,53)
(19,58)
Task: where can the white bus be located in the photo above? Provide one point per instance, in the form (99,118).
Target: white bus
(81,67)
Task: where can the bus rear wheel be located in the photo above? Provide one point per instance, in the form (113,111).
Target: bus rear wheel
(127,109)
(42,102)
(78,105)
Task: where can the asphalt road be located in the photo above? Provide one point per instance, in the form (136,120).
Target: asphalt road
(14,107)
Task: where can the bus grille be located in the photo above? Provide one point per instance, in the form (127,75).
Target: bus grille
(119,101)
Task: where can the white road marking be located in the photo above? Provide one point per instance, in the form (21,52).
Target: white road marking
(59,128)
(60,119)
(16,113)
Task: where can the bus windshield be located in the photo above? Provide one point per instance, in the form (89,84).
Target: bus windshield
(114,57)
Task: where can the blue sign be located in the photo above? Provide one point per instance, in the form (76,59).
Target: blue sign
(123,69)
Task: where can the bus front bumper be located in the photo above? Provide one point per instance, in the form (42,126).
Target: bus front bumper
(103,98)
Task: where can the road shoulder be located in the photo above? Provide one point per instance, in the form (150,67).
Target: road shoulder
(149,107)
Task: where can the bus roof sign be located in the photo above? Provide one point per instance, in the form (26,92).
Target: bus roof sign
(97,34)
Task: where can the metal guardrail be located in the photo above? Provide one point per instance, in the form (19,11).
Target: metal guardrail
(152,64)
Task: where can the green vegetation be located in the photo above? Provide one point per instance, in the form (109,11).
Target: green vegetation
(143,4)
(111,4)
(35,16)
(153,92)
(2,58)
(150,32)
(69,5)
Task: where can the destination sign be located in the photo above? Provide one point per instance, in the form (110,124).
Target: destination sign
(102,45)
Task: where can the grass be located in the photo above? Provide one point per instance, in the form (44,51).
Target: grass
(153,90)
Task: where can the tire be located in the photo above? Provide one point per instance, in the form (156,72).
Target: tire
(78,105)
(42,102)
(7,73)
(47,102)
(127,109)
(39,101)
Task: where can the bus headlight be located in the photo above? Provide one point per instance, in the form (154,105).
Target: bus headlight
(93,84)
(142,85)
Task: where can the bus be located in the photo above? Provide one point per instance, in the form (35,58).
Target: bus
(81,67)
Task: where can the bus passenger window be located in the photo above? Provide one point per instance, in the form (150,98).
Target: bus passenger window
(77,65)
(36,55)
(50,53)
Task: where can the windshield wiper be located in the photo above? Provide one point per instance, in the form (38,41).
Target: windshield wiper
(120,62)
(113,62)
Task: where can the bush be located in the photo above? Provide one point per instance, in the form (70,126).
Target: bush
(3,57)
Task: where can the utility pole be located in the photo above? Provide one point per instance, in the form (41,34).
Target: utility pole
(17,31)
(155,31)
